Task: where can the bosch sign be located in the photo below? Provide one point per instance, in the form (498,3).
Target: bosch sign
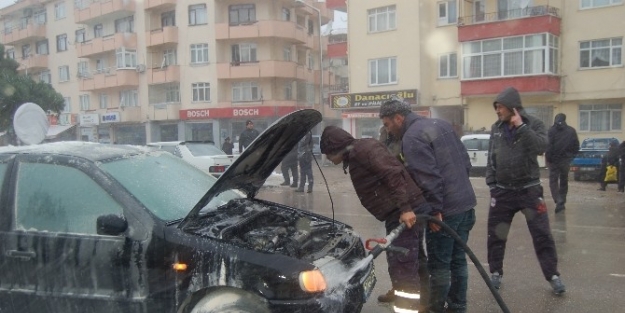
(198,113)
(257,111)
(245,112)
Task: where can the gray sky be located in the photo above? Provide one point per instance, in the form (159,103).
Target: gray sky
(4,3)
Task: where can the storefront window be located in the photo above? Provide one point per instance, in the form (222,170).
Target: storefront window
(369,128)
(130,135)
(200,132)
(169,132)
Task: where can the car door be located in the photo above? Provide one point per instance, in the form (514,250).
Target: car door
(477,147)
(59,261)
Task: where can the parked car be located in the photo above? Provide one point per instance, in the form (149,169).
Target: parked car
(587,162)
(202,154)
(477,147)
(88,227)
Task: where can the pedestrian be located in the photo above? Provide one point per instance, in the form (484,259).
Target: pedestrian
(387,191)
(290,163)
(609,159)
(439,163)
(562,147)
(247,136)
(513,177)
(305,156)
(227,146)
(621,173)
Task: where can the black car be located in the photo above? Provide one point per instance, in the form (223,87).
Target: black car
(86,227)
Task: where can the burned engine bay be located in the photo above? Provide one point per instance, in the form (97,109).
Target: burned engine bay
(276,229)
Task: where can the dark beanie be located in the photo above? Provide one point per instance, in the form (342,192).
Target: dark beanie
(392,107)
(334,140)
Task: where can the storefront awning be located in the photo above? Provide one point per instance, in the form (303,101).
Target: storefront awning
(55,130)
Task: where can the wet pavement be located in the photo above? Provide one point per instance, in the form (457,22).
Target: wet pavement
(589,235)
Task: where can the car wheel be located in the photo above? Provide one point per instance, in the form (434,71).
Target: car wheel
(230,301)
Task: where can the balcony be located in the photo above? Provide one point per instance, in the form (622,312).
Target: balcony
(263,69)
(165,111)
(24,32)
(19,6)
(337,49)
(106,44)
(541,84)
(324,43)
(264,29)
(91,10)
(339,5)
(165,75)
(159,4)
(531,20)
(34,63)
(115,79)
(163,36)
(338,88)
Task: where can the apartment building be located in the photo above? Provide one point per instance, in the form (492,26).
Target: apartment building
(134,71)
(455,55)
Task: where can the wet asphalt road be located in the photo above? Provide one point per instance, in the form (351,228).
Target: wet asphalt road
(590,240)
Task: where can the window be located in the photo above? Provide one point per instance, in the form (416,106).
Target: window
(168,19)
(288,91)
(67,107)
(600,117)
(80,35)
(244,53)
(104,101)
(242,14)
(311,27)
(101,66)
(128,98)
(40,17)
(447,12)
(300,20)
(383,71)
(126,58)
(169,57)
(42,47)
(83,69)
(63,73)
(98,31)
(511,56)
(172,93)
(61,43)
(286,53)
(286,14)
(245,91)
(59,10)
(589,4)
(311,60)
(43,204)
(197,14)
(201,92)
(199,53)
(382,19)
(84,102)
(125,25)
(601,53)
(479,10)
(25,51)
(11,54)
(448,65)
(45,77)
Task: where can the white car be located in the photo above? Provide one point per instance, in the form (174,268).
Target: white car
(202,154)
(477,147)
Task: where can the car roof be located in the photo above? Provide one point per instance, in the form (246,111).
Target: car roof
(476,136)
(87,150)
(177,143)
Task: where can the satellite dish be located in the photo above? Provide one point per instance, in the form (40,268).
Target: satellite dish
(30,123)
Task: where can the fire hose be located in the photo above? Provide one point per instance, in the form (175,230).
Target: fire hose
(384,244)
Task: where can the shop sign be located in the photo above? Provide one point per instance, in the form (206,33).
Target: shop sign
(425,113)
(111,117)
(235,112)
(89,119)
(371,99)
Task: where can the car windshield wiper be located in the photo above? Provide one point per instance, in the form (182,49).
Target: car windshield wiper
(173,222)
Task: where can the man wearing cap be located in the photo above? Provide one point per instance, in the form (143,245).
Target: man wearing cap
(386,190)
(439,164)
(247,136)
(513,176)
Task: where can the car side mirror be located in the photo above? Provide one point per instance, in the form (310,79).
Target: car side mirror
(111,224)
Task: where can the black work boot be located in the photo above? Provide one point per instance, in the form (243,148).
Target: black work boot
(286,183)
(309,188)
(388,297)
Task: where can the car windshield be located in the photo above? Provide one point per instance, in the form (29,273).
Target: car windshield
(165,185)
(203,149)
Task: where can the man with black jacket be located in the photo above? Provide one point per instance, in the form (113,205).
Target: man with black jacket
(387,191)
(513,177)
(247,136)
(562,147)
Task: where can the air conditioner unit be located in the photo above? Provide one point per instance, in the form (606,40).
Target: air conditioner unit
(140,68)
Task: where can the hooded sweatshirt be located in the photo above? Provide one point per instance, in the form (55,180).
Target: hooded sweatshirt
(513,153)
(382,184)
(563,142)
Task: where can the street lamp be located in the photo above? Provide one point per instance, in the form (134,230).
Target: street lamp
(302,2)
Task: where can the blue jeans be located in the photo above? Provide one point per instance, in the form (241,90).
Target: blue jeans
(447,264)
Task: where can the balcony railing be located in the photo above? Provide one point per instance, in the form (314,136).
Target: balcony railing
(540,10)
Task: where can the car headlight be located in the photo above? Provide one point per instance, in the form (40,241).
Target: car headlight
(312,281)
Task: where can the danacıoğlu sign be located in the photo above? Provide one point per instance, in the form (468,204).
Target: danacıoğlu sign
(371,99)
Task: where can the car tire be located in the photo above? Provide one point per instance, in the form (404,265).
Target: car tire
(230,301)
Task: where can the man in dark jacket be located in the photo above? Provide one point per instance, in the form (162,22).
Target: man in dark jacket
(439,163)
(513,177)
(386,190)
(562,147)
(247,136)
(305,157)
(227,146)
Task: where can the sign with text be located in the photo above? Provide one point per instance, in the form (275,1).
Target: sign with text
(90,119)
(369,100)
(110,117)
(235,112)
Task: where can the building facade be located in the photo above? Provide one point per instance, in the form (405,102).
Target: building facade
(563,56)
(134,71)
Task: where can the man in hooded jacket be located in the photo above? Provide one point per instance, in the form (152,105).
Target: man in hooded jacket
(513,177)
(562,147)
(387,191)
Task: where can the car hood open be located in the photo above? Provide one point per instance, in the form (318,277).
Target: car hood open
(250,170)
